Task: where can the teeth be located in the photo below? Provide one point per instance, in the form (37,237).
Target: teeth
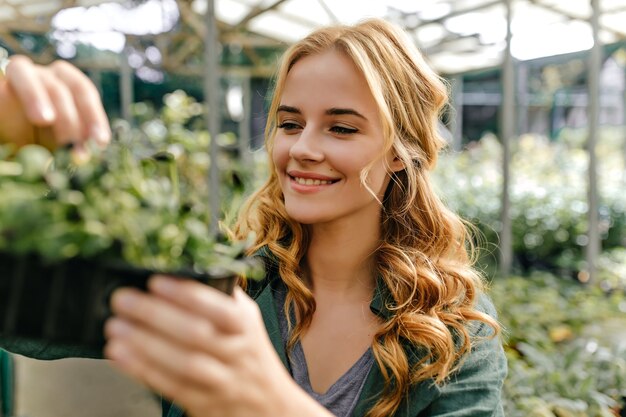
(310,181)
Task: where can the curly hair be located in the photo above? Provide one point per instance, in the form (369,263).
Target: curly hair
(425,255)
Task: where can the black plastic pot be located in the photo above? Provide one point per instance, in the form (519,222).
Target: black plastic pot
(68,302)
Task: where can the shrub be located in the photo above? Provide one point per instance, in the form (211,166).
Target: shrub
(548,196)
(564,343)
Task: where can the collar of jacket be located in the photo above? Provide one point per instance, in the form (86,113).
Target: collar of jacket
(379,305)
(419,395)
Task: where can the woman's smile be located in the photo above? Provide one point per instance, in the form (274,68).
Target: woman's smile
(309,182)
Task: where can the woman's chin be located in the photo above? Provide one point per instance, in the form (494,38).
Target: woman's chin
(307,217)
(307,220)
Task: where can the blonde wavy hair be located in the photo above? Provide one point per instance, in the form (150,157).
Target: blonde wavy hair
(424,257)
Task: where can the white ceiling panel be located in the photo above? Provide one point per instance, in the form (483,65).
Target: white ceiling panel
(458,35)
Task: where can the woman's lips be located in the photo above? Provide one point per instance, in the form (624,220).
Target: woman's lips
(310,181)
(301,175)
(309,184)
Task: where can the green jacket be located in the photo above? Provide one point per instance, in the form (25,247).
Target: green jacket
(6,384)
(474,391)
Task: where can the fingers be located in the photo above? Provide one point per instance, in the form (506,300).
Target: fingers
(175,351)
(197,346)
(191,378)
(163,317)
(87,100)
(171,321)
(152,375)
(141,352)
(59,99)
(219,308)
(23,76)
(67,126)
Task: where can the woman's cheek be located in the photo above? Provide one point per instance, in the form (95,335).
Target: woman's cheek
(280,153)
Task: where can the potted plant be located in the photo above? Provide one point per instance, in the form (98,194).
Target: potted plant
(72,232)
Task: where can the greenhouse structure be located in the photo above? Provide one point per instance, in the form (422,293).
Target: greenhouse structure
(536,125)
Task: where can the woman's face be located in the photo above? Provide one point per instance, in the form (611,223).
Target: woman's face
(329,130)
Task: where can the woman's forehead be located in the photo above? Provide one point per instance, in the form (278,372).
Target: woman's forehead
(331,63)
(330,79)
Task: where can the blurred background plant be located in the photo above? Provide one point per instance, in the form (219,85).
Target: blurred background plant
(548,200)
(566,346)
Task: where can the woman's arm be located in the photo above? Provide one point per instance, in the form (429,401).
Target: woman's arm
(42,350)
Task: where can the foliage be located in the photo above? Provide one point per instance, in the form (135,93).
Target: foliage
(145,198)
(612,269)
(563,359)
(548,196)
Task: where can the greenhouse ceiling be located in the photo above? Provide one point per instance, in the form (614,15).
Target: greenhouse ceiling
(456,35)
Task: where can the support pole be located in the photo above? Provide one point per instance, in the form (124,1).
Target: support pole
(595,62)
(507,131)
(244,123)
(624,127)
(456,117)
(522,99)
(622,63)
(126,84)
(211,98)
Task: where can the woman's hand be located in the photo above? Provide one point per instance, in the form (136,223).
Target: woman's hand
(50,105)
(206,351)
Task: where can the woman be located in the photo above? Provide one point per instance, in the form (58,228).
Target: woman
(370,300)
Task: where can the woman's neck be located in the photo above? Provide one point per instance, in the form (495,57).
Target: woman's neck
(340,260)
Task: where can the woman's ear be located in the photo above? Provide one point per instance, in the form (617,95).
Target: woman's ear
(396,164)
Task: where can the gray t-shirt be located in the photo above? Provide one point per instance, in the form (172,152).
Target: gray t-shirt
(343,395)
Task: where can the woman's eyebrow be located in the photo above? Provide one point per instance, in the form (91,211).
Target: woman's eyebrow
(335,111)
(339,111)
(289,109)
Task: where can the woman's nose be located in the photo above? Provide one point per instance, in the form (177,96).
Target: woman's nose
(307,147)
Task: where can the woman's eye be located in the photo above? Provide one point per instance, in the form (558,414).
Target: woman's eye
(288,126)
(342,130)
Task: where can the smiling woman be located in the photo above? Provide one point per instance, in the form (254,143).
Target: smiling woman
(370,305)
(357,107)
